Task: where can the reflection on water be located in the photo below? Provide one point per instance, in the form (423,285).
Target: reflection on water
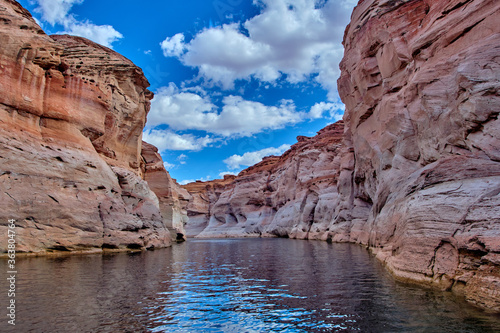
(243,285)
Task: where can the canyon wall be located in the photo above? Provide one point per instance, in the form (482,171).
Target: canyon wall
(421,84)
(71,119)
(199,208)
(416,174)
(172,197)
(287,196)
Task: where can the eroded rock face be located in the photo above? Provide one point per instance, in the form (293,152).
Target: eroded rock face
(203,196)
(421,84)
(290,195)
(121,87)
(72,114)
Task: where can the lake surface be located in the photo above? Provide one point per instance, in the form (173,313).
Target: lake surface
(230,285)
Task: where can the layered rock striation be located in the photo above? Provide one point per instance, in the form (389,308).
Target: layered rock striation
(200,206)
(172,197)
(71,120)
(416,174)
(421,84)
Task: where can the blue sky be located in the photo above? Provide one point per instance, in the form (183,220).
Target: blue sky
(234,80)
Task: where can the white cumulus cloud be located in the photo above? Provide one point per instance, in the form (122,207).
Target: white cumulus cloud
(244,118)
(55,11)
(193,110)
(334,111)
(168,140)
(102,34)
(251,158)
(294,39)
(182,110)
(168,166)
(173,46)
(58,12)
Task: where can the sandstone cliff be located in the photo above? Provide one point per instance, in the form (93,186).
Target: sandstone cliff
(203,196)
(172,197)
(421,84)
(71,120)
(417,176)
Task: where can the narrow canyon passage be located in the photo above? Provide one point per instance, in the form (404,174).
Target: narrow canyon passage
(233,285)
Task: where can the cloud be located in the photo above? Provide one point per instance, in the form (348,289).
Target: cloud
(244,118)
(58,12)
(335,110)
(168,140)
(182,110)
(102,34)
(173,46)
(290,39)
(224,54)
(182,158)
(55,11)
(187,181)
(168,166)
(251,158)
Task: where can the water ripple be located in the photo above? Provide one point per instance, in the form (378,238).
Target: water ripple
(252,285)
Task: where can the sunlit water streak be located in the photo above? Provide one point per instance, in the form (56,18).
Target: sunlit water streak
(243,285)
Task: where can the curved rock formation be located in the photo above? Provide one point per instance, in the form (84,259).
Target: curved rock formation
(203,196)
(71,120)
(173,198)
(417,177)
(421,84)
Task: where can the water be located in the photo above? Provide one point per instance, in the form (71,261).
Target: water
(230,285)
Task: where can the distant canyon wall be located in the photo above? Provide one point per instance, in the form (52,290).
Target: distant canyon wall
(289,195)
(415,175)
(172,197)
(72,162)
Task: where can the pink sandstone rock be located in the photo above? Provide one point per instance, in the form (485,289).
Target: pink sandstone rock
(421,84)
(173,198)
(199,207)
(71,120)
